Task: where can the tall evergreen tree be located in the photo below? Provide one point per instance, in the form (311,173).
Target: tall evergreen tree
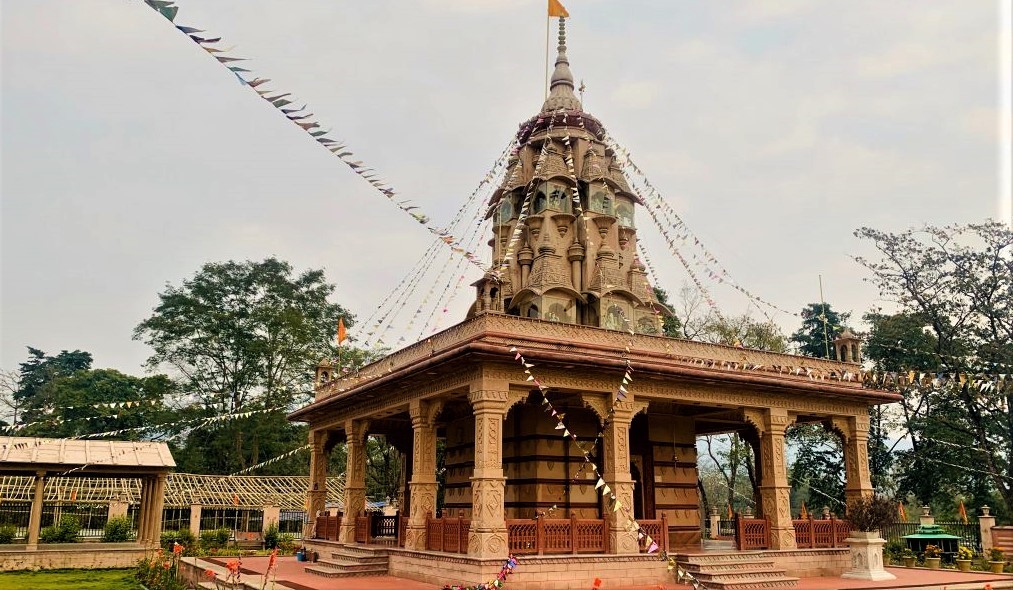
(821,324)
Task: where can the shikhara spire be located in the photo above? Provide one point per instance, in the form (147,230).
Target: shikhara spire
(561,94)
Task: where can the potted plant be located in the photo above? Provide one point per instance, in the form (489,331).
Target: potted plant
(933,556)
(868,516)
(909,557)
(996,561)
(964,557)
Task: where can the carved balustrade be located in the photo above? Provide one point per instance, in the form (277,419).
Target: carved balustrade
(752,533)
(447,534)
(657,529)
(543,536)
(327,527)
(811,533)
(362,529)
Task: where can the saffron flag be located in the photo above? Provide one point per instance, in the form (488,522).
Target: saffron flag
(901,512)
(556,9)
(963,512)
(731,515)
(805,515)
(341,331)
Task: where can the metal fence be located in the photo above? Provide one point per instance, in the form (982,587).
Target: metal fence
(970,533)
(237,519)
(91,517)
(175,519)
(17,515)
(291,522)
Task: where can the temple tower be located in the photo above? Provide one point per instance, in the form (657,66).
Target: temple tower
(565,238)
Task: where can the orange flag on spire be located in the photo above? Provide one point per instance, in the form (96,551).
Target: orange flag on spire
(556,8)
(963,512)
(341,331)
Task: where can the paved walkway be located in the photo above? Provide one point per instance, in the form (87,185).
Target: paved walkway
(291,573)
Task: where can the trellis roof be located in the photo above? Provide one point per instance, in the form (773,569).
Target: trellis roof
(181,490)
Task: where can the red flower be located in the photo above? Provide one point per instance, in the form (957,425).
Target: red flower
(210,573)
(177,548)
(166,564)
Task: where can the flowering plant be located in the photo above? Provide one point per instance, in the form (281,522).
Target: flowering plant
(965,553)
(933,551)
(159,571)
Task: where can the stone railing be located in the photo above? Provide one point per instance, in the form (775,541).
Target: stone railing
(811,533)
(557,536)
(752,533)
(447,534)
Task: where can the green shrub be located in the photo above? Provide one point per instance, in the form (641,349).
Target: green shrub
(215,539)
(66,531)
(7,534)
(271,536)
(117,530)
(286,543)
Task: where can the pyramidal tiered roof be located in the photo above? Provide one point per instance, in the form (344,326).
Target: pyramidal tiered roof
(565,245)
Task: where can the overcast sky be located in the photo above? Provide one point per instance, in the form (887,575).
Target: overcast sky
(130,157)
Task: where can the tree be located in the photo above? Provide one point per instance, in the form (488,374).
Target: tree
(820,325)
(239,337)
(102,400)
(670,323)
(817,468)
(39,370)
(732,456)
(957,283)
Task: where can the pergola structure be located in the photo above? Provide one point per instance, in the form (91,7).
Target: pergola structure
(39,459)
(288,492)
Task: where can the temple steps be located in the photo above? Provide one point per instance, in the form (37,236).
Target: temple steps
(735,571)
(351,561)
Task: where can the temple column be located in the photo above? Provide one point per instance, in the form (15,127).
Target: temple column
(157,505)
(775,491)
(355,478)
(316,495)
(858,481)
(618,478)
(422,493)
(144,512)
(487,537)
(35,516)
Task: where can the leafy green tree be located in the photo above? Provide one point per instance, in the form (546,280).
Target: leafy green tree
(39,370)
(820,325)
(816,469)
(743,331)
(240,337)
(670,326)
(956,282)
(102,400)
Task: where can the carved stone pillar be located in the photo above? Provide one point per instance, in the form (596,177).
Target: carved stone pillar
(775,491)
(316,495)
(617,476)
(355,478)
(858,482)
(487,537)
(423,482)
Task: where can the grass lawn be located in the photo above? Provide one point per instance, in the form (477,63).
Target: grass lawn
(70,579)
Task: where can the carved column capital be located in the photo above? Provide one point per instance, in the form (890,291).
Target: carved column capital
(488,400)
(356,431)
(423,412)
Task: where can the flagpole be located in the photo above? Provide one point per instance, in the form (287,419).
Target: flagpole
(547,20)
